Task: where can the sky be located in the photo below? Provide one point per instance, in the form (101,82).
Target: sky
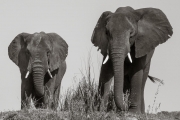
(75,21)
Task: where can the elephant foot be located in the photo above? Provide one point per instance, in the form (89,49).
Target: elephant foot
(53,106)
(40,106)
(131,118)
(134,109)
(102,106)
(39,102)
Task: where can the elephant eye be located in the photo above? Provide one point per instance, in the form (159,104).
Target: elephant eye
(48,54)
(108,34)
(27,52)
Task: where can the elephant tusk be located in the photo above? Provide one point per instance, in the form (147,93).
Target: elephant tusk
(27,74)
(169,36)
(107,57)
(129,56)
(49,73)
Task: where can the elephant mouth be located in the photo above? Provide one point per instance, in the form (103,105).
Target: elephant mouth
(27,74)
(107,57)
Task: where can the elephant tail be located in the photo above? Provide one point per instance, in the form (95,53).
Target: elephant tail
(154,79)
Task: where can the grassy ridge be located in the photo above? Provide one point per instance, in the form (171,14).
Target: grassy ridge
(82,103)
(39,114)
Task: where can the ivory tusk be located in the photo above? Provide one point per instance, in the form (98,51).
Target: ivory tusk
(107,57)
(49,73)
(27,74)
(169,36)
(129,56)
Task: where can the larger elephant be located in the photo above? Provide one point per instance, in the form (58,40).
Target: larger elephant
(41,60)
(133,34)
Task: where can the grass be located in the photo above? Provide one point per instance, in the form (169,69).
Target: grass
(83,103)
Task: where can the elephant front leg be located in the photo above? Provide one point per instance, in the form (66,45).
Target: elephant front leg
(135,92)
(57,85)
(56,98)
(105,82)
(48,97)
(49,90)
(145,75)
(26,91)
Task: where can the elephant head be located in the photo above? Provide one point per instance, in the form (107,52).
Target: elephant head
(116,33)
(37,54)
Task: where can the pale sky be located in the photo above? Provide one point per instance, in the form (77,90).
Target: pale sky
(74,21)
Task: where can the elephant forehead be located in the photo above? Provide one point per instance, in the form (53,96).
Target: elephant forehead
(39,42)
(33,42)
(36,39)
(118,21)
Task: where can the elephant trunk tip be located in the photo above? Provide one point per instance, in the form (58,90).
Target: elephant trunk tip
(120,102)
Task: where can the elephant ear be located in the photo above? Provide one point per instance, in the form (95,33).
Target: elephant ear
(15,48)
(99,37)
(153,29)
(59,51)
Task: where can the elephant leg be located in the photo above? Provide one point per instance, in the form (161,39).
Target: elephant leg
(56,98)
(59,77)
(135,92)
(105,82)
(145,75)
(26,90)
(126,84)
(49,93)
(45,101)
(39,102)
(126,90)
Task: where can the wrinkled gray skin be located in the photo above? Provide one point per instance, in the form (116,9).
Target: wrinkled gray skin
(125,31)
(37,53)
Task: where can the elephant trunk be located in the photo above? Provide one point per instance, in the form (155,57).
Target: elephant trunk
(118,57)
(38,79)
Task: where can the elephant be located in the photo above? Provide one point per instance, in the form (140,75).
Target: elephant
(41,61)
(127,39)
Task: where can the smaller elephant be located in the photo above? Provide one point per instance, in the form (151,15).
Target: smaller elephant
(41,60)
